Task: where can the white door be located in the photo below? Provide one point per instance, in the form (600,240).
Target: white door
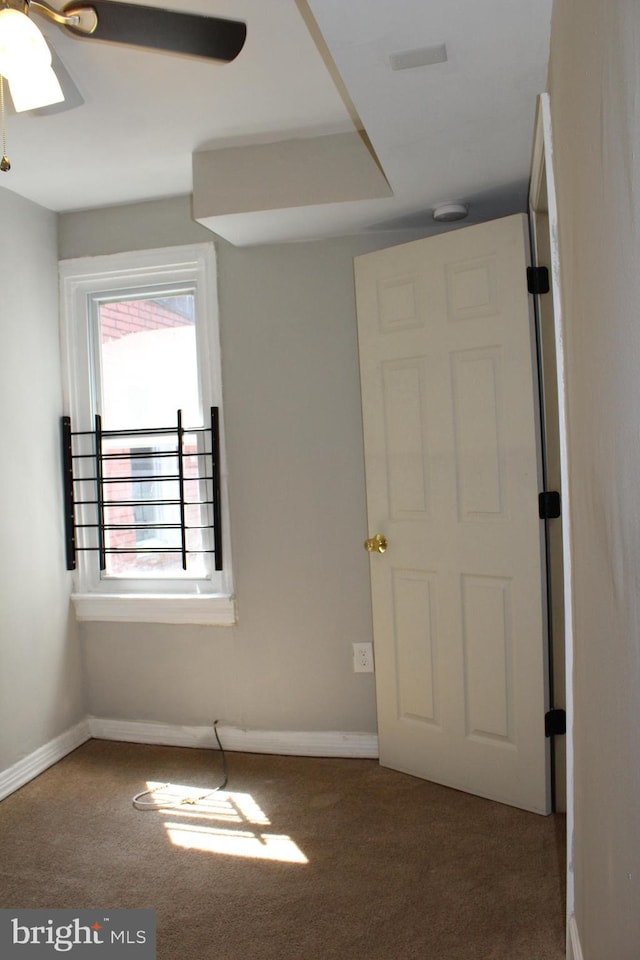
(450,428)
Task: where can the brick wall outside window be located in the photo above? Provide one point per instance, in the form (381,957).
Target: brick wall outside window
(121,317)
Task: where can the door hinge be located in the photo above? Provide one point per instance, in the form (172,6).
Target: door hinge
(555,723)
(538,280)
(549,505)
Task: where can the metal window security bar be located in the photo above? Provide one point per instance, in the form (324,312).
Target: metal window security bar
(90,489)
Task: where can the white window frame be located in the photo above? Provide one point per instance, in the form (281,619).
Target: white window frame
(81,280)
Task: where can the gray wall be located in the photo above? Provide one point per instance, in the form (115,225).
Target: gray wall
(596,125)
(41,691)
(298,520)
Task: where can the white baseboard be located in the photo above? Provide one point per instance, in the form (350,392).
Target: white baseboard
(574,949)
(310,743)
(37,762)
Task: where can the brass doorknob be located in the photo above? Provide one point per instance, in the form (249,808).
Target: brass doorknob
(377,544)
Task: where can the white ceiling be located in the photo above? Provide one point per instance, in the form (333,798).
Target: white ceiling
(460,130)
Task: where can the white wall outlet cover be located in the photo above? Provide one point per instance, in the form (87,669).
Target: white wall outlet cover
(363,658)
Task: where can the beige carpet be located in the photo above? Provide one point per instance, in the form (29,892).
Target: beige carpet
(299,858)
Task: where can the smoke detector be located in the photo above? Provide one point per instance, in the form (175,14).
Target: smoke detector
(448,212)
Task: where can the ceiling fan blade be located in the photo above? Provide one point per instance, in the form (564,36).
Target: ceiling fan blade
(159,29)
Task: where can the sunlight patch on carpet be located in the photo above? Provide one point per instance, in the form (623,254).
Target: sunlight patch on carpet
(260,846)
(221,822)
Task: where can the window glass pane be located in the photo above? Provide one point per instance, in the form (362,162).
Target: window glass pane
(148,371)
(148,362)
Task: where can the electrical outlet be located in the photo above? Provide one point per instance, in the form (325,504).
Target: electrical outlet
(363,658)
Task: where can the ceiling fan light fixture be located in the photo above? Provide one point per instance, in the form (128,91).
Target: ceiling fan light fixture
(25,61)
(35,88)
(21,43)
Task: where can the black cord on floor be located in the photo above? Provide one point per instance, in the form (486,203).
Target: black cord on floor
(140,804)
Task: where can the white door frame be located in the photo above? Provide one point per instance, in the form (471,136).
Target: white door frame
(543,186)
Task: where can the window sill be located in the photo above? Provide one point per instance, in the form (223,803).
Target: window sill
(148,608)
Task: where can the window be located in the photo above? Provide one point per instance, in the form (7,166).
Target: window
(142,369)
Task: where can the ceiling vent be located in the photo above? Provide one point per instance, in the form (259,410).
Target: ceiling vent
(422,57)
